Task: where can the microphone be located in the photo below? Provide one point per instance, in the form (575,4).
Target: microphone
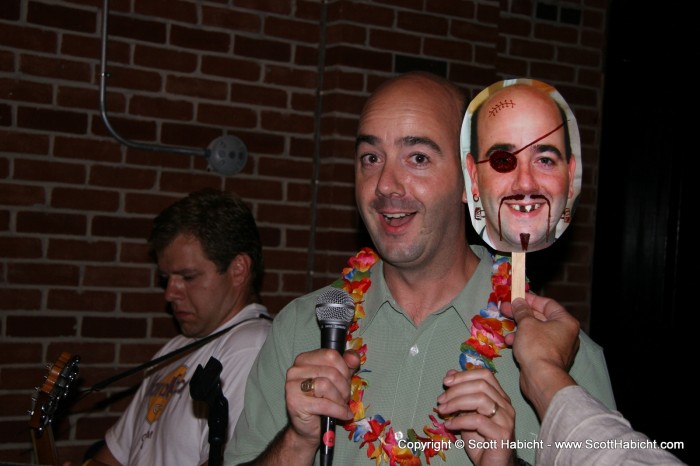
(335,309)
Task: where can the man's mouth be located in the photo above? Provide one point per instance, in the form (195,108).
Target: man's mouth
(397,219)
(524,208)
(527,208)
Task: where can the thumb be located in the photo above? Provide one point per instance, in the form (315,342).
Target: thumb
(520,309)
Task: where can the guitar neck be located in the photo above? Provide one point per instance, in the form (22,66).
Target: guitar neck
(45,447)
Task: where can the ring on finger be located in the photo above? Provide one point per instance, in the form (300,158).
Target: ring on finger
(307,386)
(494,411)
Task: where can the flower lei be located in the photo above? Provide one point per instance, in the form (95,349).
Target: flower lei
(479,350)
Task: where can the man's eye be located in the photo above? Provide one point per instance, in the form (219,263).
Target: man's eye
(421,159)
(163,281)
(547,161)
(367,159)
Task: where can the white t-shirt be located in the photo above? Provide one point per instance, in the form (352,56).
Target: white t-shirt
(163,425)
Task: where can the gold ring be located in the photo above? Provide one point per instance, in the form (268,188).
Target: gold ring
(307,386)
(495,410)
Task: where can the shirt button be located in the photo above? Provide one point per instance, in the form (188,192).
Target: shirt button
(414,350)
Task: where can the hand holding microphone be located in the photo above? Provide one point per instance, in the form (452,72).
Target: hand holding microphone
(335,309)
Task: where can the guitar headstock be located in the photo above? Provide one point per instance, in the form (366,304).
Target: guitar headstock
(55,388)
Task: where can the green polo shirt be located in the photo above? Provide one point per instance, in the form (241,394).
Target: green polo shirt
(405,364)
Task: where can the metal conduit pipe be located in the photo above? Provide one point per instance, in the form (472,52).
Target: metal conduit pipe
(225,155)
(320,69)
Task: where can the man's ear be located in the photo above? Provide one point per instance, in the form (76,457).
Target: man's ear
(239,269)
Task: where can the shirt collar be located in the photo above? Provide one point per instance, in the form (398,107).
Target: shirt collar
(473,297)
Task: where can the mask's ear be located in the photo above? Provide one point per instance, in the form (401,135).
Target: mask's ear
(572,172)
(473,176)
(239,269)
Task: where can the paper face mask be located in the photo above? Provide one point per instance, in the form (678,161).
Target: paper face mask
(521,156)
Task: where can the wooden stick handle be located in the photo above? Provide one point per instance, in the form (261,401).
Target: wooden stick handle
(517,279)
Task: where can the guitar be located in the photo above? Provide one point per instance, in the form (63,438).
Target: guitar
(55,388)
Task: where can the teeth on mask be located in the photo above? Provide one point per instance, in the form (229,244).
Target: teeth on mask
(525,208)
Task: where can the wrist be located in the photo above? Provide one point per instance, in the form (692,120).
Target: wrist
(541,382)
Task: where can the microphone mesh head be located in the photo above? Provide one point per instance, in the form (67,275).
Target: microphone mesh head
(335,304)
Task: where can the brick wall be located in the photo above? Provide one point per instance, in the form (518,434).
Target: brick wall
(288,77)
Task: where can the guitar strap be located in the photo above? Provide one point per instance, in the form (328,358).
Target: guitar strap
(196,344)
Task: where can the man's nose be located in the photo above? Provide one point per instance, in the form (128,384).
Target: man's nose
(525,178)
(391,183)
(173,289)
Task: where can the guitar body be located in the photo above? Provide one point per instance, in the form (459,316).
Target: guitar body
(62,374)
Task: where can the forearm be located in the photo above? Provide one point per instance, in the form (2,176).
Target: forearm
(286,448)
(541,382)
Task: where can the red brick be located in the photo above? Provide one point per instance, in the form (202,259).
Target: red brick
(421,23)
(79,300)
(359,58)
(266,6)
(61,121)
(158,107)
(398,41)
(115,227)
(79,45)
(157,159)
(256,48)
(122,177)
(196,87)
(51,223)
(19,299)
(136,253)
(26,91)
(116,276)
(20,353)
(369,14)
(230,19)
(230,67)
(28,248)
(165,58)
(147,203)
(134,28)
(176,10)
(10,10)
(86,149)
(146,302)
(134,78)
(302,31)
(175,182)
(40,326)
(55,68)
(15,432)
(61,17)
(113,327)
(28,38)
(555,33)
(286,122)
(227,116)
(44,274)
(292,169)
(85,199)
(77,97)
(43,170)
(199,39)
